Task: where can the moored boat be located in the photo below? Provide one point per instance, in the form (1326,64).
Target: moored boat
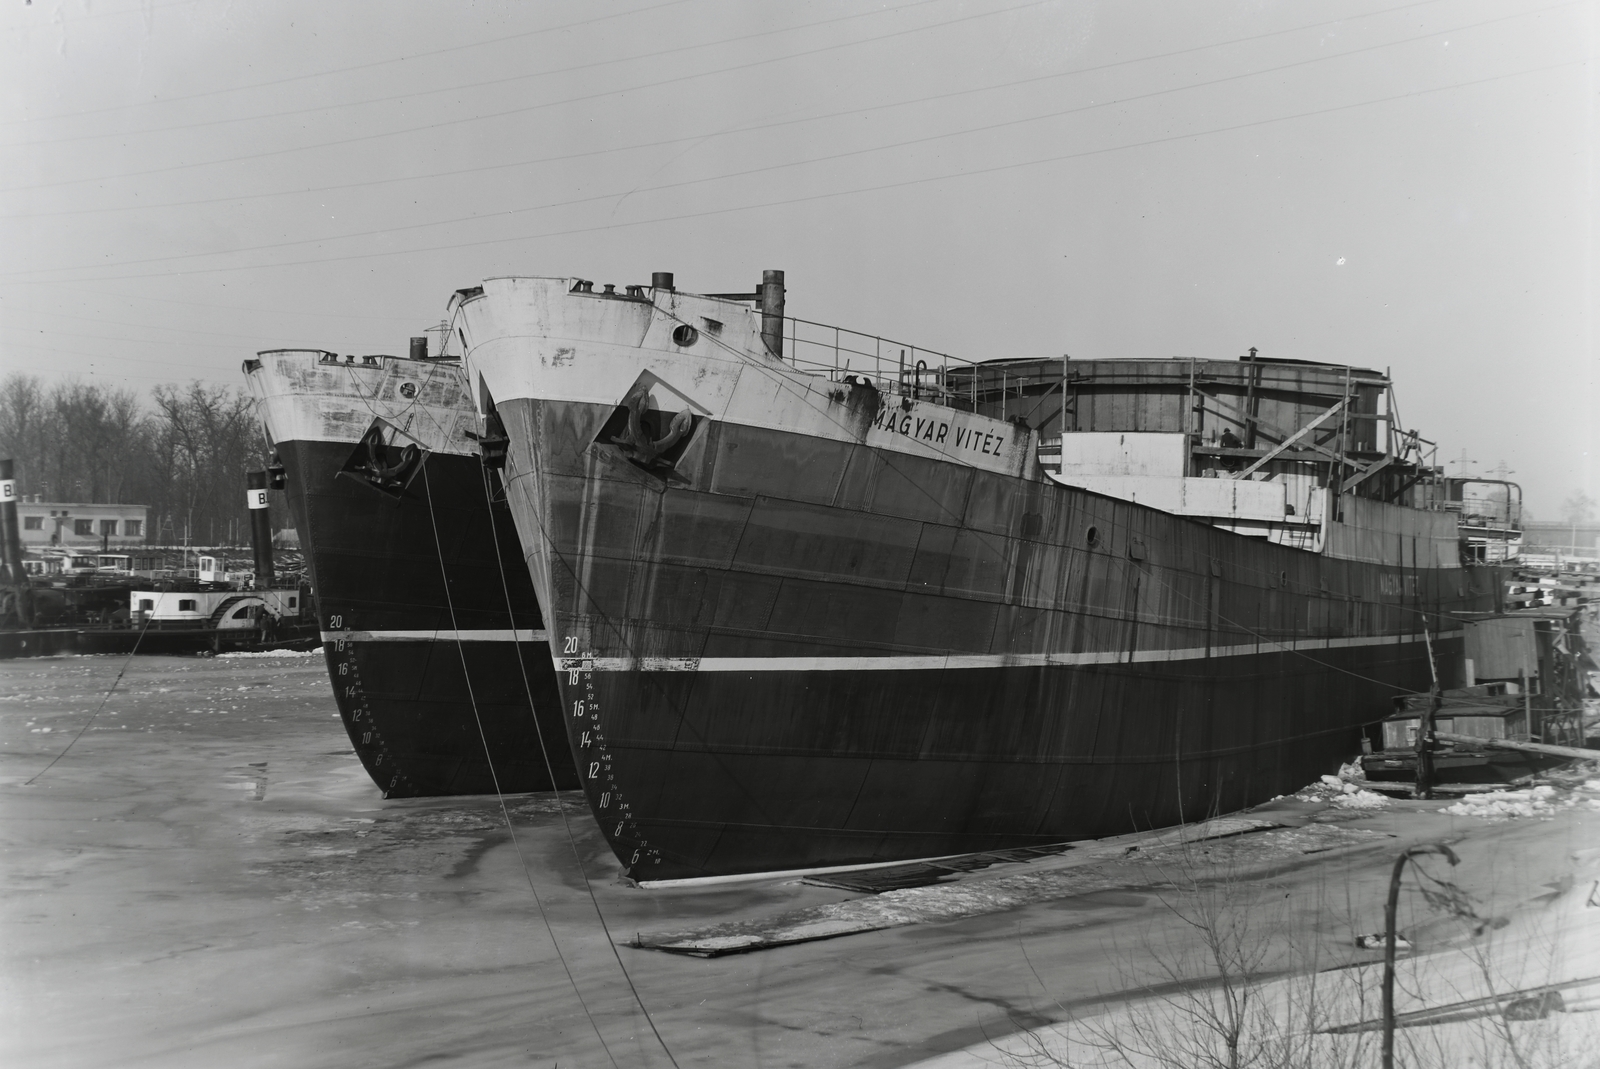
(826,604)
(433,637)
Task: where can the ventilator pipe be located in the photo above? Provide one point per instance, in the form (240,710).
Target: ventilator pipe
(772,312)
(419,348)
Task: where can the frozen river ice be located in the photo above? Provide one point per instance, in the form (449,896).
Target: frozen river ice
(208,878)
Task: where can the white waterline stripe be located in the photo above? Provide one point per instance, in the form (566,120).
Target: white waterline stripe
(519,635)
(935,662)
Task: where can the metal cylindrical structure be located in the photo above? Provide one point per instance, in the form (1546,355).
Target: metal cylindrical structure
(13,575)
(772,312)
(260,526)
(419,348)
(661,280)
(10,531)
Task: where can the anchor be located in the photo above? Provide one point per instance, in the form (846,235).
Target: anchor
(369,462)
(635,440)
(389,475)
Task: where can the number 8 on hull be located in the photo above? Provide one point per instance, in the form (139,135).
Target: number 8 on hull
(822,599)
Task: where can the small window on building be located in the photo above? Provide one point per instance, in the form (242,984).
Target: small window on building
(133,527)
(83,527)
(108,527)
(186,605)
(33,523)
(293,602)
(146,604)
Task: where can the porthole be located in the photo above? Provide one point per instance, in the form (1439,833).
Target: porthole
(1092,535)
(408,390)
(685,336)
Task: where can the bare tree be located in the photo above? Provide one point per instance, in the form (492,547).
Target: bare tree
(23,426)
(205,438)
(77,442)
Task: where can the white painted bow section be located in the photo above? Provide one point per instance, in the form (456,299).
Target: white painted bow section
(301,398)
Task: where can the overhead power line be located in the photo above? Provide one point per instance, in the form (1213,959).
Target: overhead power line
(414,94)
(460,120)
(142,11)
(120,362)
(239,308)
(336,70)
(855,111)
(249,338)
(879,187)
(129,341)
(879,148)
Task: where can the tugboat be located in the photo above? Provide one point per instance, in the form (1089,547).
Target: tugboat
(817,600)
(434,641)
(67,601)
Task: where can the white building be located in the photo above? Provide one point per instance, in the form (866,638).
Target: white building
(75,523)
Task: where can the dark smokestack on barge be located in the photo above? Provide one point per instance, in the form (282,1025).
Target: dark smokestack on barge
(10,533)
(260,526)
(772,312)
(14,575)
(419,348)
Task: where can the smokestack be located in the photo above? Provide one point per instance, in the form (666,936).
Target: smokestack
(419,348)
(10,531)
(661,280)
(260,526)
(772,312)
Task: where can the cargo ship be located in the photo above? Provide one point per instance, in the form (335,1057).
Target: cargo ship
(432,634)
(824,599)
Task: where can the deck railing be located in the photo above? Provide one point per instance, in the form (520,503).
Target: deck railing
(893,366)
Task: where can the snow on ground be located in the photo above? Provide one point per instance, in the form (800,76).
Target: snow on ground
(1539,801)
(273,653)
(1340,792)
(1522,990)
(208,877)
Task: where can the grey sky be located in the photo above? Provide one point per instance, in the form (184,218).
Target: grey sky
(1404,185)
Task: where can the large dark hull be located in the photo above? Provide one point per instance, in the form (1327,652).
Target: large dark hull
(800,652)
(169,641)
(429,715)
(811,617)
(45,642)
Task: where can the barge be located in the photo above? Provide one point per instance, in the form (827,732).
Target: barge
(820,598)
(434,641)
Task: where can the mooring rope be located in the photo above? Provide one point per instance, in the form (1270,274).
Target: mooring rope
(528,690)
(495,778)
(120,673)
(488,497)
